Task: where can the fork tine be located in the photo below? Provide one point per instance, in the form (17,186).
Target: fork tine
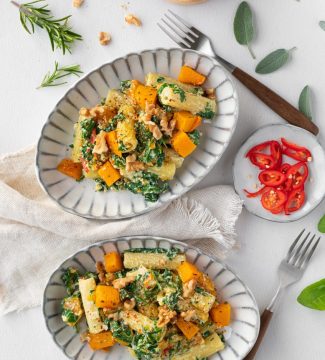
(297,253)
(186,24)
(301,257)
(289,254)
(178,27)
(310,254)
(177,31)
(178,42)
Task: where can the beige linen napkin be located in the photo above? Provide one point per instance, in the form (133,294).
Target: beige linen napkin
(36,235)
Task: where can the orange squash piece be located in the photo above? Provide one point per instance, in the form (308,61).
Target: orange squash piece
(107,297)
(186,121)
(188,75)
(111,139)
(188,271)
(109,174)
(207,284)
(70,168)
(101,340)
(113,262)
(221,314)
(187,328)
(145,94)
(182,144)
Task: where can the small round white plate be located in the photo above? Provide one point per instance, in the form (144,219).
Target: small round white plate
(241,333)
(246,174)
(80,198)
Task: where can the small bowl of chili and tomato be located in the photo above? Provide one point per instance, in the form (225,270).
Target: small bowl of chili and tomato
(279,173)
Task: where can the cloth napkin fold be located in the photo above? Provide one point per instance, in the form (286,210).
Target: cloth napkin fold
(36,235)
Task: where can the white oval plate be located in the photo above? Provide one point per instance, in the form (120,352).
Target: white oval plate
(245,320)
(57,133)
(246,174)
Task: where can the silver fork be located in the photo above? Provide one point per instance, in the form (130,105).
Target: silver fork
(291,269)
(189,37)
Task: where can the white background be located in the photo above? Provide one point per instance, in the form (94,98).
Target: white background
(296,332)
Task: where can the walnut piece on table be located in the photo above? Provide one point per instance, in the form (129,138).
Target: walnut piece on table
(77,3)
(132,20)
(104,38)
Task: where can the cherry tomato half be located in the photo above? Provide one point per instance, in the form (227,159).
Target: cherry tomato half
(273,199)
(271,177)
(298,175)
(295,151)
(296,199)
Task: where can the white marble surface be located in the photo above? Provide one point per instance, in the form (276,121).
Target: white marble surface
(296,332)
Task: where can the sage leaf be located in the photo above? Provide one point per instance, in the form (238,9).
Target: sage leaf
(305,102)
(322,25)
(313,296)
(274,61)
(243,26)
(321,225)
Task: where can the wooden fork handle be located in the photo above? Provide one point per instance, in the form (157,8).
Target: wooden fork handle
(265,320)
(275,102)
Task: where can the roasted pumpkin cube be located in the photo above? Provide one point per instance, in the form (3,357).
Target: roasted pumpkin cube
(70,168)
(101,340)
(182,144)
(111,139)
(107,297)
(145,94)
(186,121)
(113,262)
(221,314)
(187,328)
(188,271)
(188,75)
(109,174)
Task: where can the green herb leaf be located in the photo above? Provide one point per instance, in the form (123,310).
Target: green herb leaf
(321,225)
(274,61)
(52,79)
(322,25)
(58,30)
(243,26)
(305,102)
(313,296)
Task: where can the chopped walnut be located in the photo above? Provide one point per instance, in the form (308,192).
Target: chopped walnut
(100,271)
(123,282)
(188,288)
(211,93)
(104,38)
(84,336)
(132,20)
(110,315)
(131,163)
(198,339)
(84,112)
(77,3)
(100,144)
(129,304)
(188,315)
(165,315)
(167,126)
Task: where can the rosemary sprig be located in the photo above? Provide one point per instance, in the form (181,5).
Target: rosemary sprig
(51,79)
(59,32)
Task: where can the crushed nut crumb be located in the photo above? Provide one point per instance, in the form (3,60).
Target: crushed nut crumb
(77,3)
(132,20)
(104,38)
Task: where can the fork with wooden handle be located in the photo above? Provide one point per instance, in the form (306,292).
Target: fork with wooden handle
(290,271)
(189,37)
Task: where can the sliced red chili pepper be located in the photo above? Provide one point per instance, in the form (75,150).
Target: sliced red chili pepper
(262,161)
(273,199)
(276,152)
(257,193)
(298,174)
(284,168)
(295,201)
(295,151)
(271,177)
(258,148)
(278,210)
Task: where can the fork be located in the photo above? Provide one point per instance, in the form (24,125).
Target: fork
(189,37)
(291,269)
